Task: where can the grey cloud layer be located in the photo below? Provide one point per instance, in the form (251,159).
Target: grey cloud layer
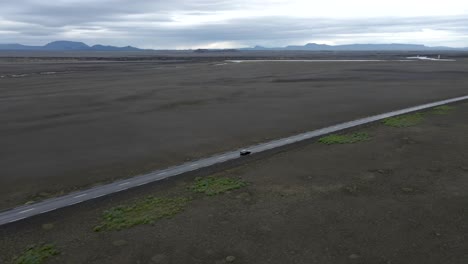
(149,23)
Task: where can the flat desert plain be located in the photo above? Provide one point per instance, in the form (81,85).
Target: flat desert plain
(69,124)
(397,196)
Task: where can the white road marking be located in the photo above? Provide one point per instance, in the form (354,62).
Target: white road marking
(81,195)
(125,183)
(27,210)
(99,196)
(17,219)
(162,173)
(193,165)
(222,157)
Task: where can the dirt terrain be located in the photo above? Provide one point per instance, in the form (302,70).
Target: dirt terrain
(71,124)
(399,196)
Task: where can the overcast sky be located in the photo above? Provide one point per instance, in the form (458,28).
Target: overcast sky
(178,24)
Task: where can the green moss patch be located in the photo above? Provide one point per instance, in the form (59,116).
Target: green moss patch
(442,110)
(344,139)
(213,186)
(404,120)
(37,254)
(146,211)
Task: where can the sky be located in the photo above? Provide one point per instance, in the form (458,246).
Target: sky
(184,24)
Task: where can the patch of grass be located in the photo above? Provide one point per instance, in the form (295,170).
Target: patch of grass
(404,120)
(36,254)
(145,211)
(344,139)
(213,186)
(442,110)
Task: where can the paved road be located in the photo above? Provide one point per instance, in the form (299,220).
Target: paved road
(26,211)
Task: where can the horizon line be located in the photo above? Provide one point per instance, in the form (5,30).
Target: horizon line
(241,47)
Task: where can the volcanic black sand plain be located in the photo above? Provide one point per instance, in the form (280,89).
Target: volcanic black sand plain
(397,196)
(70,122)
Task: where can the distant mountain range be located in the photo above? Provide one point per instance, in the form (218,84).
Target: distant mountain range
(66,46)
(357,47)
(80,46)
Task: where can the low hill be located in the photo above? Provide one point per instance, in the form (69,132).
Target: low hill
(66,46)
(357,47)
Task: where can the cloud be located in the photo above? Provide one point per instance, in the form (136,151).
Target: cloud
(278,31)
(210,23)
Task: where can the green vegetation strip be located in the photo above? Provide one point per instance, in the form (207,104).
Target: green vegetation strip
(344,139)
(36,254)
(404,120)
(442,110)
(152,209)
(146,211)
(213,186)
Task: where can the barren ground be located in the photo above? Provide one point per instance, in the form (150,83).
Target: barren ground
(71,124)
(399,197)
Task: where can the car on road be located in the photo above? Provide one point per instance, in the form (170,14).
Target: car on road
(245,152)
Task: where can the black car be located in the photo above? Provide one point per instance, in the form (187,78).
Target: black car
(245,152)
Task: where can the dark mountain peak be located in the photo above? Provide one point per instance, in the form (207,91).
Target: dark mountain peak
(66,45)
(112,48)
(63,45)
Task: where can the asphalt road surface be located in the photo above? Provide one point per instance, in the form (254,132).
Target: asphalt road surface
(26,211)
